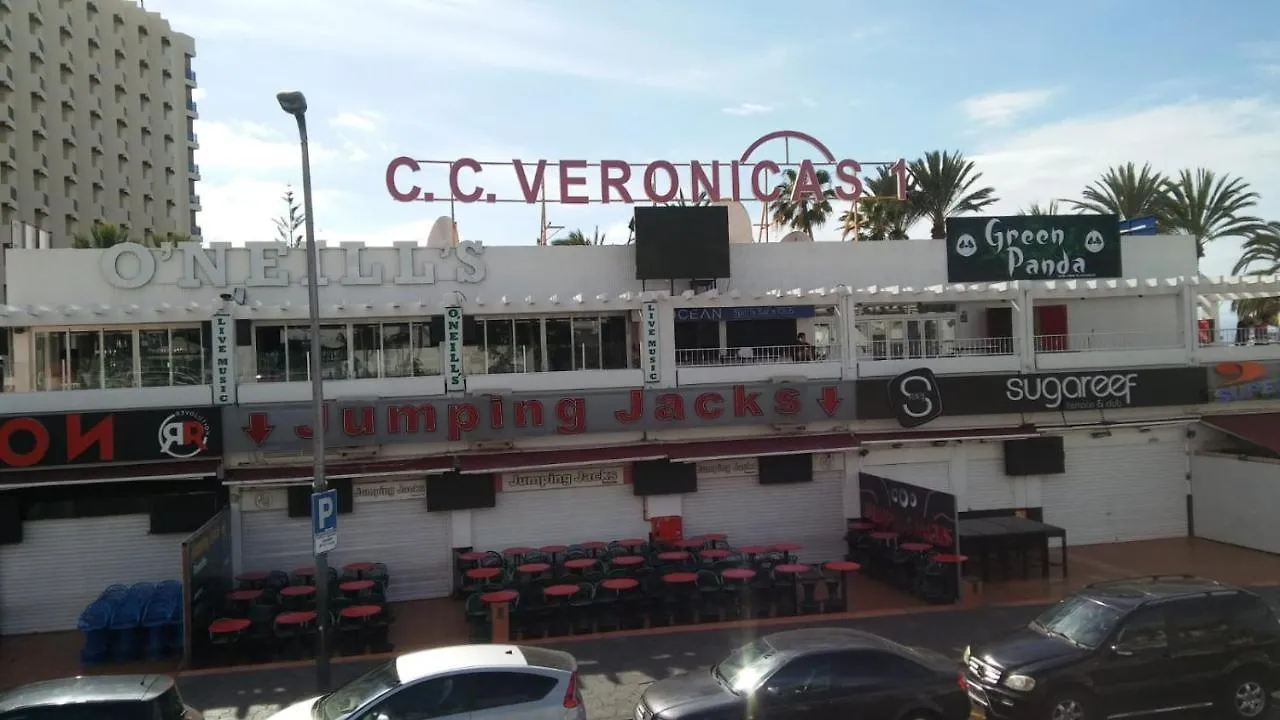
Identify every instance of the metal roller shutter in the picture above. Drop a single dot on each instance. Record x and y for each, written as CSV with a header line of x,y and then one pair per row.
x,y
413,543
62,565
987,487
559,517
811,514
1120,491
271,540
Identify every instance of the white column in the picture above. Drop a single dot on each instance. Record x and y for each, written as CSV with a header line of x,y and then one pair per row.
x,y
849,343
1187,321
1026,325
237,531
667,342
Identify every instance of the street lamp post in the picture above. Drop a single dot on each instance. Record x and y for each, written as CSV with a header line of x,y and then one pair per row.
x,y
295,103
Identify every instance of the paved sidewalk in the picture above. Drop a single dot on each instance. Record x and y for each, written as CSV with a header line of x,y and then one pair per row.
x,y
614,671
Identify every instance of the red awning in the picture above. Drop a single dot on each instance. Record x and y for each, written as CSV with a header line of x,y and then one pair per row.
x,y
545,459
292,474
755,447
1261,429
182,470
904,436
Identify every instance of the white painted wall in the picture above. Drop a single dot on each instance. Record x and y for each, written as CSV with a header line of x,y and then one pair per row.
x,y
1122,322
1234,500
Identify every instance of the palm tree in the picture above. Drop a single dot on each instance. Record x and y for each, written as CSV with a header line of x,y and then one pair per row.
x,y
1126,191
1050,208
151,239
104,235
879,214
946,186
577,237
805,213
1207,207
1260,255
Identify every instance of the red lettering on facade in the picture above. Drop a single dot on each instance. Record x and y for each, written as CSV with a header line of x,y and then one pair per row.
x,y
411,419
259,428
669,407
830,400
746,403
634,411
304,431
39,446
571,416
358,421
463,418
786,401
708,405
528,413
497,418
103,435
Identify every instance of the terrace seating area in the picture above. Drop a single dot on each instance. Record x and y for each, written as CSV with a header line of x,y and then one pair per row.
x,y
636,583
271,615
128,623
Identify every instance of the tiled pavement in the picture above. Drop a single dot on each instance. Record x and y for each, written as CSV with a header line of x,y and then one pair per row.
x,y
614,671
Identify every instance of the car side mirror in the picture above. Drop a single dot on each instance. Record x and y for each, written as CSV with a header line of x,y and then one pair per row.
x,y
1119,651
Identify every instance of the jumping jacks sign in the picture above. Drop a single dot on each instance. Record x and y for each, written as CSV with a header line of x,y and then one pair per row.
x,y
1033,247
919,395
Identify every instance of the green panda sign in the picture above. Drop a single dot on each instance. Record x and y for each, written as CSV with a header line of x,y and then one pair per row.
x,y
1033,247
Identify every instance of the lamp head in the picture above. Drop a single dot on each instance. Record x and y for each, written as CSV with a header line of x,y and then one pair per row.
x,y
294,103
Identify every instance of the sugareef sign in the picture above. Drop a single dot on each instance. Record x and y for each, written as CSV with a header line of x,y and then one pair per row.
x,y
659,181
562,479
1033,247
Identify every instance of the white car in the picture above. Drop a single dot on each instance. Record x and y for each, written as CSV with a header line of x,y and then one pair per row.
x,y
478,682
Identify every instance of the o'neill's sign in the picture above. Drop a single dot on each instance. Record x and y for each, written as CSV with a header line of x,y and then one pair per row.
x,y
620,181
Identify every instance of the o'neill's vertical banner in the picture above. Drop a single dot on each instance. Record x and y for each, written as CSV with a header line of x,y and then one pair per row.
x,y
224,375
650,349
455,379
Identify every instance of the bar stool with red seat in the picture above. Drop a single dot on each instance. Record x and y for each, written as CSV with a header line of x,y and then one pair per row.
x,y
626,561
481,576
788,576
295,597
952,566
294,630
225,635
789,549
531,571
352,623
838,590
712,555
738,582
240,600
353,589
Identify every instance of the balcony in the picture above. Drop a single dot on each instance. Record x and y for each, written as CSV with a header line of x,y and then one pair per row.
x,y
192,110
194,171
194,200
192,141
191,76
697,366
69,396
881,358
1110,349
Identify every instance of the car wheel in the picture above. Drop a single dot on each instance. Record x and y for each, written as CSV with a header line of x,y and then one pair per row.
x,y
1247,696
1068,706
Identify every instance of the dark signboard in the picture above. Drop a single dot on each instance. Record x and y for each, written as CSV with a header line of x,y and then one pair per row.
x,y
1243,381
84,438
1031,393
1032,247
737,314
286,427
910,510
206,578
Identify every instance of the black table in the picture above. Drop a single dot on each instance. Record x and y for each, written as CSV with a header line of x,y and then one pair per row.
x,y
981,536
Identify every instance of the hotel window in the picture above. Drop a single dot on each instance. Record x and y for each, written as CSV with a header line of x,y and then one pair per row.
x,y
174,356
284,352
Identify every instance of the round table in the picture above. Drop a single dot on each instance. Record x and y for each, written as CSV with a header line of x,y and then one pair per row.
x,y
713,554
355,586
950,558
244,595
840,586
298,591
788,547
883,535
690,543
737,573
842,566
358,567
360,612
553,549
580,563
560,591
715,537
226,626
791,568
620,584
514,551
473,555
673,556
862,526
300,617
533,568
305,572
252,577
680,578
483,573
593,545
630,543
627,561
753,549
915,546
499,596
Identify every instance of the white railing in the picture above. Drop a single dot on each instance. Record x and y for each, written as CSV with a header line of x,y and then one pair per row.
x,y
1085,342
912,349
757,355
1239,336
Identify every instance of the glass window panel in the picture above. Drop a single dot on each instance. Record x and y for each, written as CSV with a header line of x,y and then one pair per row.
x,y
334,364
613,342
153,357
83,359
298,353
473,356
559,344
50,350
187,353
117,359
586,343
366,355
426,347
269,342
499,346
397,351
528,356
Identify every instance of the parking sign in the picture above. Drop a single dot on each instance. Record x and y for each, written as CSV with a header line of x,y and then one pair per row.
x,y
324,521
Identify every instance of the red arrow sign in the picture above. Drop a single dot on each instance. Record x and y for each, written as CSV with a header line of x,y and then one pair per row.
x,y
258,428
830,400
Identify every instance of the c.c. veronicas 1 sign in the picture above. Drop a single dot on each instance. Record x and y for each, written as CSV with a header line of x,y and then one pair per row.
x,y
480,417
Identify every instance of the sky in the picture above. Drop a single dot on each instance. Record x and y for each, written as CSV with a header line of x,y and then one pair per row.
x,y
1043,97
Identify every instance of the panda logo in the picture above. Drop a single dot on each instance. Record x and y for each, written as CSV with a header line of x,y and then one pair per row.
x,y
1093,242
966,245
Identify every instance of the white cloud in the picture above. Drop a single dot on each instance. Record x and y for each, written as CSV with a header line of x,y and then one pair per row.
x,y
1002,108
363,120
251,148
198,94
808,102
747,109
241,209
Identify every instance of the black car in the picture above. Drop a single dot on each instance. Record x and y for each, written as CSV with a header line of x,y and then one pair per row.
x,y
100,697
1133,647
814,673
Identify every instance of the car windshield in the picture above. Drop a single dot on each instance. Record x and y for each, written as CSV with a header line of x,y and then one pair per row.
x,y
744,667
343,701
1084,621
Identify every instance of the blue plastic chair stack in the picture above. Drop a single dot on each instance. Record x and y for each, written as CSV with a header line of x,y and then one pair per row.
x,y
95,623
126,622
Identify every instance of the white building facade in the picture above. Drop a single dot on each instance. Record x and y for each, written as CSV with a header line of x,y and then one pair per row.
x,y
487,397
96,121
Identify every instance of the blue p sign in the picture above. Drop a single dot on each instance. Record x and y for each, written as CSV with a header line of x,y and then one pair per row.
x,y
324,520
